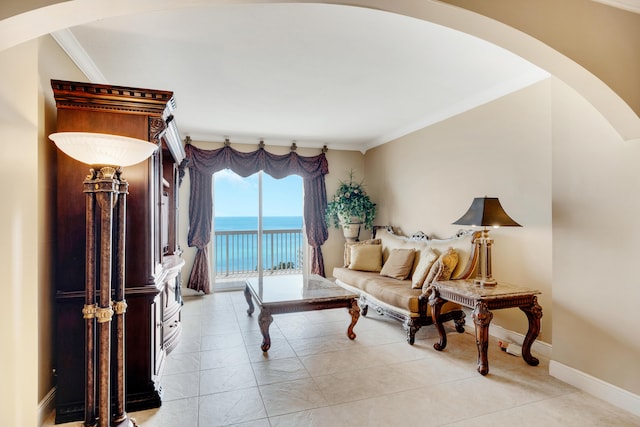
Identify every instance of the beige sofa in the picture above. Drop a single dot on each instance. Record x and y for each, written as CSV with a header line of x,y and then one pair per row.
x,y
388,273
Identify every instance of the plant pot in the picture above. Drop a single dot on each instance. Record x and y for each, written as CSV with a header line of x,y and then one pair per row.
x,y
351,229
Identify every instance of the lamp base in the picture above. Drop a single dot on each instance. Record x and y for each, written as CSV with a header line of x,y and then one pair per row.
x,y
126,422
488,282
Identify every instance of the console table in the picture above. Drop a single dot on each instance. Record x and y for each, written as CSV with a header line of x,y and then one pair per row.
x,y
482,300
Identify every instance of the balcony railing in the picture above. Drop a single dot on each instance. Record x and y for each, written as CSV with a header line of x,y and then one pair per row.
x,y
236,252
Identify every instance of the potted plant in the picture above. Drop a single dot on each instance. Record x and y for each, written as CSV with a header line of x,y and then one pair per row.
x,y
350,207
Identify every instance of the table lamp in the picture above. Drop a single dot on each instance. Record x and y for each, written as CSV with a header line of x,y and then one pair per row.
x,y
105,192
486,212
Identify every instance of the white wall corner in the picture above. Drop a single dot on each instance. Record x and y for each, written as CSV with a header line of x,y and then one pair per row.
x,y
46,406
608,392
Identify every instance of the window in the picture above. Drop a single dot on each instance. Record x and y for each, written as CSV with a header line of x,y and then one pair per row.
x,y
258,226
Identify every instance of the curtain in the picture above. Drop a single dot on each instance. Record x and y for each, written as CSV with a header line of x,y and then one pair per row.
x,y
203,164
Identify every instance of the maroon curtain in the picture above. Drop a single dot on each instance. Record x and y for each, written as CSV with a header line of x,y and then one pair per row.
x,y
204,163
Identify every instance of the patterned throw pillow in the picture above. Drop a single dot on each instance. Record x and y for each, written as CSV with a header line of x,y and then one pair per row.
x,y
399,263
366,257
443,268
427,258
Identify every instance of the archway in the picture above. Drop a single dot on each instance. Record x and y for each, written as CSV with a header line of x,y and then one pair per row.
x,y
63,14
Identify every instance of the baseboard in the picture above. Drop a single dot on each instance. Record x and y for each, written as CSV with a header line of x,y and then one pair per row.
x,y
608,392
46,406
542,348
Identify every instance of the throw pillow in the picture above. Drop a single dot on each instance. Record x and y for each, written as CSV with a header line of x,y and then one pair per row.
x,y
443,268
427,258
348,245
399,263
366,257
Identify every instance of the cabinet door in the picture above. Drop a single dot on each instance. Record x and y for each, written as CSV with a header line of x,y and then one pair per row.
x,y
158,323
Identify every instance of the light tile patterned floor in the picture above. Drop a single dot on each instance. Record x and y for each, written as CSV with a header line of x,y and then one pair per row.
x,y
315,376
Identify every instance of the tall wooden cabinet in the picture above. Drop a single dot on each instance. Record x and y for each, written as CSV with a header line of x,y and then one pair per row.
x,y
153,257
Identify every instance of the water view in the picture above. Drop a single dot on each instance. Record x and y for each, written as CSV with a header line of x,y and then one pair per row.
x,y
236,244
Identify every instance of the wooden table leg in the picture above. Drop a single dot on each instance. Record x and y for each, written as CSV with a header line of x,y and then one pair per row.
x,y
264,320
354,310
482,318
436,304
247,296
534,313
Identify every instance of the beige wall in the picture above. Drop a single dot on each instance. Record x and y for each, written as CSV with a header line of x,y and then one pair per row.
x,y
53,63
603,39
596,206
28,116
427,180
19,258
542,150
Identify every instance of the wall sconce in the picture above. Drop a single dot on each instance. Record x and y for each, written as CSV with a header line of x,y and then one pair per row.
x,y
105,192
486,212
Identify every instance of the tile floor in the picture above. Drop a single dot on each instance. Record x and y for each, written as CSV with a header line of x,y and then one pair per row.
x,y
315,376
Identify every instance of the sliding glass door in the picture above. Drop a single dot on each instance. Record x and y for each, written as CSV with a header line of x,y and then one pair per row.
x,y
258,227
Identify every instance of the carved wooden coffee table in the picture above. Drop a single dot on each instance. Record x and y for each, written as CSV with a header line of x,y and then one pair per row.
x,y
482,300
293,293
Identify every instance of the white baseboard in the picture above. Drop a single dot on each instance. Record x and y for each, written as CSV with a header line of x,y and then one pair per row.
x,y
608,392
46,406
542,348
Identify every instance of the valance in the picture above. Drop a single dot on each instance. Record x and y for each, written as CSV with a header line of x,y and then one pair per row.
x,y
203,164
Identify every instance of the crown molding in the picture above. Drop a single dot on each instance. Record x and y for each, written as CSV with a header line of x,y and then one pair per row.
x,y
70,44
628,5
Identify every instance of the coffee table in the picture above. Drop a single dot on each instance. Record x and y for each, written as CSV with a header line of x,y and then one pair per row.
x,y
482,300
293,293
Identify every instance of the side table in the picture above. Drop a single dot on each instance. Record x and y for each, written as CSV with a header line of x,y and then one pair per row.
x,y
482,300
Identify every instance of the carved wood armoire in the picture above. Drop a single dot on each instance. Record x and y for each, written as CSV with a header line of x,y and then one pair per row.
x,y
153,258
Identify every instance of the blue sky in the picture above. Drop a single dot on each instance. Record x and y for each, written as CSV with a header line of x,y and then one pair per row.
x,y
237,196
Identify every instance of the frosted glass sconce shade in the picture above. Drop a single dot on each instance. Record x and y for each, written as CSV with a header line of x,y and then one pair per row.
x,y
103,149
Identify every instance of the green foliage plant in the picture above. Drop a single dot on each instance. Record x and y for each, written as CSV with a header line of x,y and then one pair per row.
x,y
350,201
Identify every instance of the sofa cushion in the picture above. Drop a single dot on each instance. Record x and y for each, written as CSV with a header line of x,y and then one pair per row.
x,y
399,263
356,279
348,245
366,258
426,260
397,293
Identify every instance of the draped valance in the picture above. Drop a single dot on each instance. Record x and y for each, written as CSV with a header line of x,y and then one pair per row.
x,y
203,164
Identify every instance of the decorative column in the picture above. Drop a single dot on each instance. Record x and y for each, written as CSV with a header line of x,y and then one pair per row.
x,y
105,190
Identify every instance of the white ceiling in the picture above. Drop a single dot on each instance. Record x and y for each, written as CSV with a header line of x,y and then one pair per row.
x,y
316,74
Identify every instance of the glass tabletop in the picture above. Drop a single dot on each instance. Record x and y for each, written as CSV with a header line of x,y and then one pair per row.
x,y
295,287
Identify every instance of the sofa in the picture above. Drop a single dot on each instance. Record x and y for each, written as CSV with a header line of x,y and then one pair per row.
x,y
392,274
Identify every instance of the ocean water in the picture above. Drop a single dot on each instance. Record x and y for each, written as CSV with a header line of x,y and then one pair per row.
x,y
236,244
233,223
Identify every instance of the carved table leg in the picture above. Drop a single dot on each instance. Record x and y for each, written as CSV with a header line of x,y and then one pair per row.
x,y
247,295
411,327
436,304
264,320
534,313
482,318
354,310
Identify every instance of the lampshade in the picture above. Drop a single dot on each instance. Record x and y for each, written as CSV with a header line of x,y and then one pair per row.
x,y
103,149
486,212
